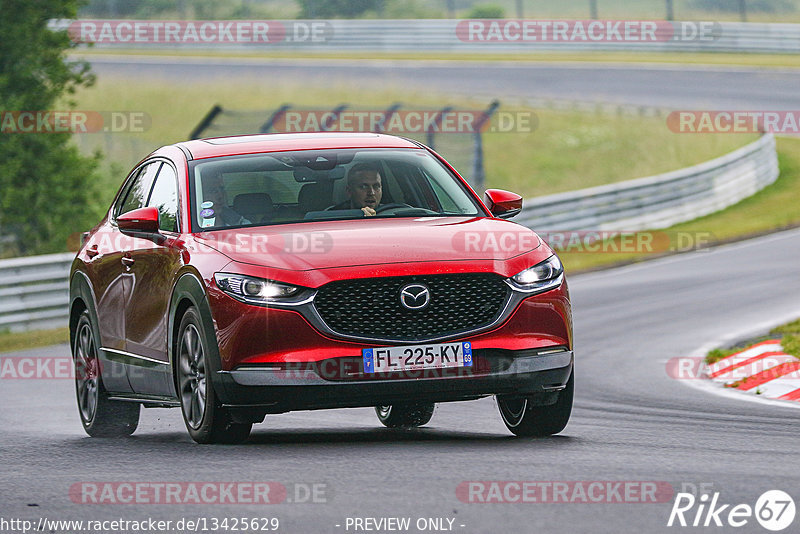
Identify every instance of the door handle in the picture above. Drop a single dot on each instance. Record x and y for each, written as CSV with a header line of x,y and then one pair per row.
x,y
128,262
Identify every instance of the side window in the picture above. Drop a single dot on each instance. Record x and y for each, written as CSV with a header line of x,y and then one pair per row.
x,y
165,198
136,195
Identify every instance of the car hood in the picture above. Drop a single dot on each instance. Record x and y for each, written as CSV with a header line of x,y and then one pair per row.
x,y
332,244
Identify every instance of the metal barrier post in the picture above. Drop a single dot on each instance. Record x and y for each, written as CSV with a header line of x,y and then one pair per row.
x,y
391,110
206,122
478,172
430,132
336,112
277,114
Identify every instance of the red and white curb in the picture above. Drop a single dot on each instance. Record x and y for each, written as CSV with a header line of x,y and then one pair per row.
x,y
762,369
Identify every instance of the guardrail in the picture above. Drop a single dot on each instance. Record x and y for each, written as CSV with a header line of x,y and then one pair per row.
x,y
34,290
662,200
446,35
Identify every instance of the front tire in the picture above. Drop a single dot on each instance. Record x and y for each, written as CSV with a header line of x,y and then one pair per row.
x,y
526,420
206,419
405,415
100,416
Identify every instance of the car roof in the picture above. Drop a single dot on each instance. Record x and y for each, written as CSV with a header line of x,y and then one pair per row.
x,y
252,144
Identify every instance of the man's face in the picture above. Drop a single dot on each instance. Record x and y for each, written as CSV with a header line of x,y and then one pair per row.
x,y
365,190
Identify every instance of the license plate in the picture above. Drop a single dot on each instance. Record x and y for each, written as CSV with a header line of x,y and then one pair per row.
x,y
412,358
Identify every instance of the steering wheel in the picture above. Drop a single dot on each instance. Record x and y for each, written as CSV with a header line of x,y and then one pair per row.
x,y
394,205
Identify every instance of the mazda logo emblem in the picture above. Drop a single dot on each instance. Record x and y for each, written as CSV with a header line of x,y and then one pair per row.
x,y
415,296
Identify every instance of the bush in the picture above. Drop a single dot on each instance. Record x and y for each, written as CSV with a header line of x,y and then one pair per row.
x,y
486,12
47,187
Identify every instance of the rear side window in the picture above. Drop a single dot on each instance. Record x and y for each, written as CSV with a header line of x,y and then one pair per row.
x,y
165,198
136,195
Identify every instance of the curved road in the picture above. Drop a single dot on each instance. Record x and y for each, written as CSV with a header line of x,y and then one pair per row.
x,y
631,421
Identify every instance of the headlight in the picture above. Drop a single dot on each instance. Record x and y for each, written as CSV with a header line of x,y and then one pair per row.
x,y
541,277
255,290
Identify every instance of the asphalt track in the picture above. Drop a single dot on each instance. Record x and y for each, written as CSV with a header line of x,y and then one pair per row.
x,y
659,85
631,421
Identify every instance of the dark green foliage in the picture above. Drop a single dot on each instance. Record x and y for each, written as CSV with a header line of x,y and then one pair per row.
x,y
486,11
46,185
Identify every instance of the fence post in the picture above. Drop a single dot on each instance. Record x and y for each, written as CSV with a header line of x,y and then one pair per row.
x,y
336,112
478,172
277,114
206,122
391,110
431,129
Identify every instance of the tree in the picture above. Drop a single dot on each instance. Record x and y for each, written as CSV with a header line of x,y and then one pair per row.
x,y
47,188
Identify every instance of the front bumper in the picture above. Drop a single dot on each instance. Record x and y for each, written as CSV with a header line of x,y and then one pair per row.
x,y
279,389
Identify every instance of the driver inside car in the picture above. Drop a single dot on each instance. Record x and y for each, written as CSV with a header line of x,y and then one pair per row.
x,y
363,189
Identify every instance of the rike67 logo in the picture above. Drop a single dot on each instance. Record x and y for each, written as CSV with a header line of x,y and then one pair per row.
x,y
774,510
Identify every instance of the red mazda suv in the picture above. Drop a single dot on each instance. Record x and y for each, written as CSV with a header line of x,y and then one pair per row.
x,y
237,277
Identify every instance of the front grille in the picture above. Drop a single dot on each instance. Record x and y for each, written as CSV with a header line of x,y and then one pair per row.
x,y
370,308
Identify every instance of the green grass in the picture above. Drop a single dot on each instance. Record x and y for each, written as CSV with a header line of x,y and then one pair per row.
x,y
28,340
788,333
717,354
788,328
548,56
772,208
568,150
791,344
574,150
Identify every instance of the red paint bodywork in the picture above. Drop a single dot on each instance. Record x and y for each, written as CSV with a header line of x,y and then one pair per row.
x,y
133,307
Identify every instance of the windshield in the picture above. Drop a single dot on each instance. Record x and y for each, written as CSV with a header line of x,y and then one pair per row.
x,y
285,187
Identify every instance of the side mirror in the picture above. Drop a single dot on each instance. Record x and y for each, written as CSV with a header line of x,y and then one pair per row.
x,y
503,204
141,220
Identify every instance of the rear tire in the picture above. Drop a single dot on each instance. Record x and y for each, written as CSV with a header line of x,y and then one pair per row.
x,y
405,415
100,416
206,419
526,420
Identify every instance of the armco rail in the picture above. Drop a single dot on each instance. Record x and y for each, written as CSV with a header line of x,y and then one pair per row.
x,y
421,35
659,201
34,294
